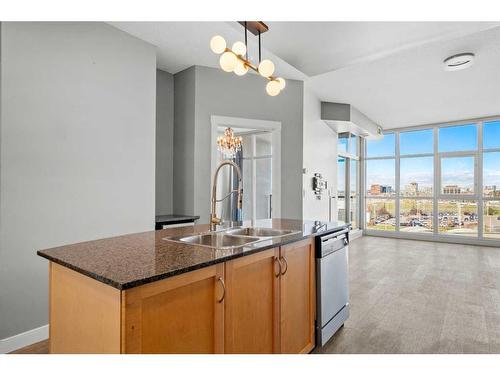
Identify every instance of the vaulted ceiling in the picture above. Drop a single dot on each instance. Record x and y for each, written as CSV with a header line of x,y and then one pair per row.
x,y
391,71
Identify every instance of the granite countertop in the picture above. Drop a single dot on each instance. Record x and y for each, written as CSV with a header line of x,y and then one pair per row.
x,y
131,260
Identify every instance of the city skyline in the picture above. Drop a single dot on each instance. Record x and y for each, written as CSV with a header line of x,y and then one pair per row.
x,y
455,170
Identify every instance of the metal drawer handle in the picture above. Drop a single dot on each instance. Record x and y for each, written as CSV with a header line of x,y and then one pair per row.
x,y
286,266
277,261
221,280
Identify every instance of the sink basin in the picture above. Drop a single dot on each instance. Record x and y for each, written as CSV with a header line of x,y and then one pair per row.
x,y
216,240
260,232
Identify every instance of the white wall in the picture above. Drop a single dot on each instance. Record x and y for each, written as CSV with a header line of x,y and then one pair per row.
x,y
320,156
77,148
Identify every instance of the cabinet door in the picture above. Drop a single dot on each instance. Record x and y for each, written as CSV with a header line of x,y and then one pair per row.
x,y
181,314
298,297
251,316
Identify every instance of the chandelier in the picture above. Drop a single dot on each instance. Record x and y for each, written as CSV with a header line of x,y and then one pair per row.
x,y
235,59
228,144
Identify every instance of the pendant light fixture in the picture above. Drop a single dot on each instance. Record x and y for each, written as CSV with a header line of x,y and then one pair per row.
x,y
235,59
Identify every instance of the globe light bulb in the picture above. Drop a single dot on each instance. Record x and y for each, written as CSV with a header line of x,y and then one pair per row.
x,y
228,61
282,82
218,44
239,48
241,69
273,88
266,68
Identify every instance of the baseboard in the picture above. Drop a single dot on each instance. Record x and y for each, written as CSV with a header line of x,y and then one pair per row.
x,y
355,234
21,340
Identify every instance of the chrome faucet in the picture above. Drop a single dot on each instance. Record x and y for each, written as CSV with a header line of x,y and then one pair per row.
x,y
214,220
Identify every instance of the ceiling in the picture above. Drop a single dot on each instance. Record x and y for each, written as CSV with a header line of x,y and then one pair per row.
x,y
184,44
412,88
391,71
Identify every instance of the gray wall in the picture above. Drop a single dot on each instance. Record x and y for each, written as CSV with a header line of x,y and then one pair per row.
x,y
164,141
219,93
184,158
77,148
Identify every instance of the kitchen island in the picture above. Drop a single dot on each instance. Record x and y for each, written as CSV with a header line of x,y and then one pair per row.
x,y
147,293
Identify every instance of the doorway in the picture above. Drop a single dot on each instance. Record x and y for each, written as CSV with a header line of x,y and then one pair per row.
x,y
348,179
260,164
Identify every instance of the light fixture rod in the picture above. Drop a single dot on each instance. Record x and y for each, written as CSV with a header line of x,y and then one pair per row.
x,y
249,64
246,41
259,48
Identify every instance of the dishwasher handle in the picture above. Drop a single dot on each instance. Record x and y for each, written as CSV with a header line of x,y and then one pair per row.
x,y
334,235
332,243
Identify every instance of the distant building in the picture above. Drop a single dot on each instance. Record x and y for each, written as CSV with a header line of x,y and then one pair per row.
x,y
377,189
411,189
452,189
491,191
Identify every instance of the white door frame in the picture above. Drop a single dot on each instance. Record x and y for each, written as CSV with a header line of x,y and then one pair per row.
x,y
265,125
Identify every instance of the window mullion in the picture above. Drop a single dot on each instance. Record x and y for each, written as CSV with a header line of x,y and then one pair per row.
x,y
397,182
479,180
437,184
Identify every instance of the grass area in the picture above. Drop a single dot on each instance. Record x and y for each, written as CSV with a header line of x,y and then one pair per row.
x,y
382,216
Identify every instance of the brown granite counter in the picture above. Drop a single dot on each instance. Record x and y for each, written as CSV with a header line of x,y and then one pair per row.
x,y
131,260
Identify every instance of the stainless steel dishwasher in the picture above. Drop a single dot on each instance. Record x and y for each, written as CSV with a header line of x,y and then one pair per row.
x,y
332,284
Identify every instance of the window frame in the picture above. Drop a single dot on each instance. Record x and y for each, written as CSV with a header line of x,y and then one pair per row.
x,y
347,189
252,159
437,196
475,181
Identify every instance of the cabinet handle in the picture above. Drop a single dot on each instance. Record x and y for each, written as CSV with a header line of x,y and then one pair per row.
x,y
221,280
277,261
286,266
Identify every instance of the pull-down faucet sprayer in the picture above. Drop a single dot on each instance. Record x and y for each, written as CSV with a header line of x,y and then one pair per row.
x,y
214,220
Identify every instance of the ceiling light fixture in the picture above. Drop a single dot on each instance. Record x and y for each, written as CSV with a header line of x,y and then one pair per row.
x,y
228,144
235,59
458,62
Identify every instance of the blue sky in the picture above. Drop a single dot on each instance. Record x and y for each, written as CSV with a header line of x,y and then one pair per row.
x,y
491,134
383,147
491,169
420,170
417,142
456,170
458,138
380,172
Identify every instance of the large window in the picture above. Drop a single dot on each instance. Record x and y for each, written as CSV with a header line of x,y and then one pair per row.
x,y
416,215
458,138
457,175
381,183
417,176
416,142
348,179
437,181
491,180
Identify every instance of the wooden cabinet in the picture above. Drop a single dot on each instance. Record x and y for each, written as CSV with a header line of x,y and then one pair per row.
x,y
270,302
258,303
84,314
251,320
182,314
297,297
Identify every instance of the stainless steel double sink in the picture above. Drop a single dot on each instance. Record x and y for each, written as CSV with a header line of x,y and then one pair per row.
x,y
232,237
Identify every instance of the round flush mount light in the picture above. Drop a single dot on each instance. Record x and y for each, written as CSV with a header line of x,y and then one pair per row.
x,y
459,62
